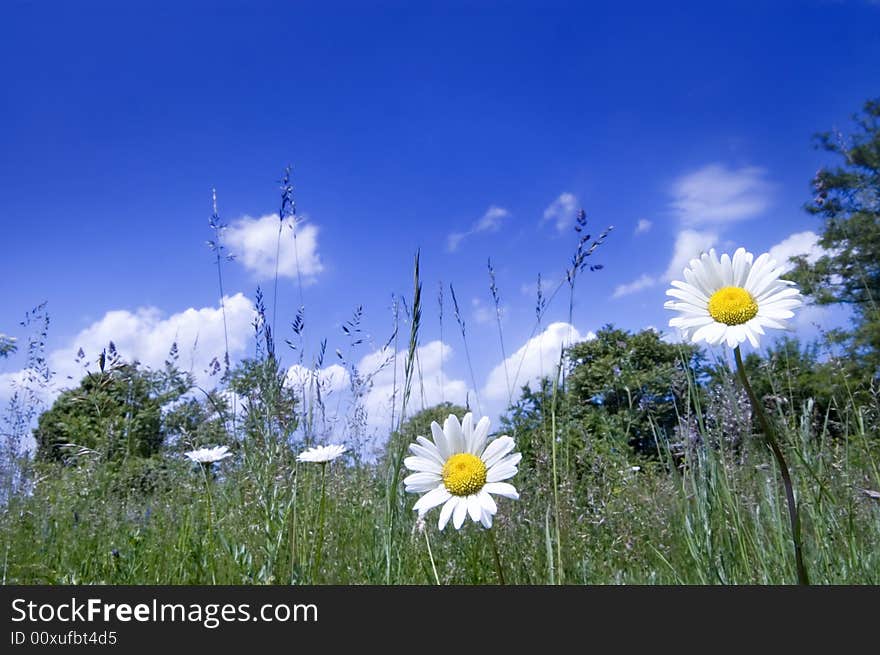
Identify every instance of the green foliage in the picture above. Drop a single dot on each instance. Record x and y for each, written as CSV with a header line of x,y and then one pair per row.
x,y
419,424
113,414
629,386
198,422
848,201
269,405
789,374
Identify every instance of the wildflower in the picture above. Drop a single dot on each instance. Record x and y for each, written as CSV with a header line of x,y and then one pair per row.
x,y
321,454
460,471
208,455
731,300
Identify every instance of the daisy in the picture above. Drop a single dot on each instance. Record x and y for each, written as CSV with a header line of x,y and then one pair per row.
x,y
321,454
731,300
459,471
208,455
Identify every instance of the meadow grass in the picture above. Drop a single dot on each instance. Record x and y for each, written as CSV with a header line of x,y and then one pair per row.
x,y
591,510
592,518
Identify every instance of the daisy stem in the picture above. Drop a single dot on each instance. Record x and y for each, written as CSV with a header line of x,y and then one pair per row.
x,y
770,439
206,472
293,522
319,542
431,557
498,568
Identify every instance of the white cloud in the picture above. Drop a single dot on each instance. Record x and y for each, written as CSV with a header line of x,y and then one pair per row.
x,y
482,313
643,282
254,242
332,379
688,244
561,211
715,195
533,360
490,221
547,286
799,243
430,383
643,226
146,335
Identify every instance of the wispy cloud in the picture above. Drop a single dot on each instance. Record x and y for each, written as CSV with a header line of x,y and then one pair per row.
x,y
254,242
703,202
536,358
490,221
482,313
561,212
644,282
799,243
688,244
644,225
716,194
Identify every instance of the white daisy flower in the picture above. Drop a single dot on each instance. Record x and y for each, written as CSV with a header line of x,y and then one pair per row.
x,y
731,300
321,454
208,455
459,471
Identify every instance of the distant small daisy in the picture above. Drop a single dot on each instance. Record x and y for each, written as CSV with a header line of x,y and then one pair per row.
x,y
731,300
459,471
208,455
321,454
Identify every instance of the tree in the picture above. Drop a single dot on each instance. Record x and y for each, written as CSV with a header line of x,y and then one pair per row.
x,y
116,413
848,200
627,386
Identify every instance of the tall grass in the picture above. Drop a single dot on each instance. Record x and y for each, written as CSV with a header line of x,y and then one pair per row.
x,y
710,511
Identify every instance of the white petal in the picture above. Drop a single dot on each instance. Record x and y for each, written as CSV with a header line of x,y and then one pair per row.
x,y
501,489
467,431
474,506
497,449
687,322
422,464
688,295
500,472
446,512
454,437
726,270
511,460
735,335
742,261
707,332
459,513
750,335
423,481
481,433
427,449
487,502
486,519
690,289
437,496
441,441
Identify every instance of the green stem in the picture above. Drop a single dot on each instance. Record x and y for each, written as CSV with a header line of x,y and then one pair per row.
x,y
293,523
319,542
559,569
498,568
770,439
205,471
431,557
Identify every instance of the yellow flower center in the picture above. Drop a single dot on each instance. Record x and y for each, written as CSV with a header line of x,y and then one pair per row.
x,y
464,474
732,306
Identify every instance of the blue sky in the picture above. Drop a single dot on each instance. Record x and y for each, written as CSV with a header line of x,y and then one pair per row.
x,y
405,123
